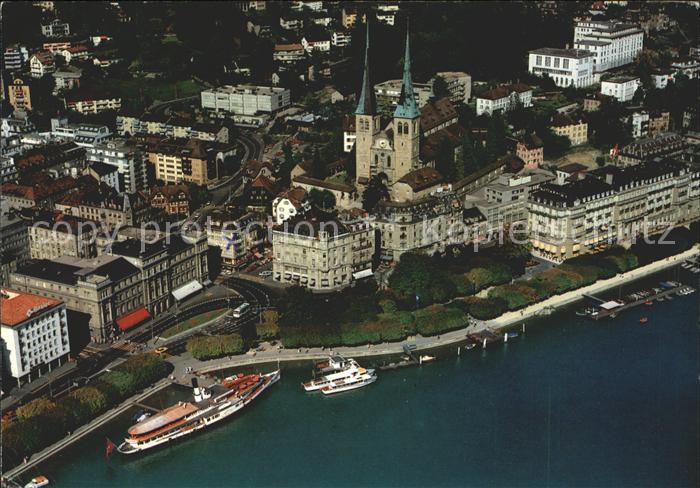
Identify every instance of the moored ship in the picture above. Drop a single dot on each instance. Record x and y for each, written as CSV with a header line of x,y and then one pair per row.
x,y
210,405
340,374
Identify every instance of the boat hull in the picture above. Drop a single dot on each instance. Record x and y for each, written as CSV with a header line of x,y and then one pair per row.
x,y
352,386
213,416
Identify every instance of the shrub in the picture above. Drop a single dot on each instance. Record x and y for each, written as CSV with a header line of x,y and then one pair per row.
x,y
486,308
437,319
515,296
210,347
268,328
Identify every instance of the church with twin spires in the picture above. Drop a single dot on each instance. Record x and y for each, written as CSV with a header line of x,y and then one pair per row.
x,y
393,149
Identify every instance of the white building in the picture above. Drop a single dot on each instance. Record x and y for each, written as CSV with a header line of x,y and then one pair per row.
x,y
288,53
316,5
41,64
289,204
620,87
321,45
687,67
566,67
34,334
341,39
245,99
612,43
387,13
640,124
91,104
661,78
129,160
459,84
504,98
389,92
84,135
66,78
14,57
55,28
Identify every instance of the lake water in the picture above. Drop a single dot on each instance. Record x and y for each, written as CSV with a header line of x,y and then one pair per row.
x,y
571,402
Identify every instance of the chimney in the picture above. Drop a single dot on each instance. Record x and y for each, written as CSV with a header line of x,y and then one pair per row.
x,y
197,390
567,45
609,178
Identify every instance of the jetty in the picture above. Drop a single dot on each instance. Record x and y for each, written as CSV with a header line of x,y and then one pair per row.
x,y
613,308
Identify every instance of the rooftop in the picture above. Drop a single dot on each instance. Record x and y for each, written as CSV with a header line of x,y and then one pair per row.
x,y
422,178
17,306
563,53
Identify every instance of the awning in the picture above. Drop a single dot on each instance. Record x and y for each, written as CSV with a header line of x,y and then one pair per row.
x,y
134,318
365,273
186,290
610,305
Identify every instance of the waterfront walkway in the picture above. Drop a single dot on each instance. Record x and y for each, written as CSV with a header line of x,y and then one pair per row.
x,y
455,337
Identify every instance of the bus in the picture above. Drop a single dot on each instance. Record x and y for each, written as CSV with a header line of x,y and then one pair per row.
x,y
241,309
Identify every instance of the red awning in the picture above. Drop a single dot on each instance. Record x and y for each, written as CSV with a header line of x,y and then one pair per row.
x,y
134,318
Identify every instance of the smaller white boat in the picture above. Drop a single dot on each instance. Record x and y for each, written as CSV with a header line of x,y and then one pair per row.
x,y
363,377
37,482
426,359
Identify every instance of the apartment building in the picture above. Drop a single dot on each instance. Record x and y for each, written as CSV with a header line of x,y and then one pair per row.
x,y
612,43
19,95
14,57
169,126
288,53
245,99
54,234
66,78
106,288
621,88
87,103
127,157
566,67
661,146
41,63
459,84
504,98
191,160
237,232
322,255
55,28
114,210
530,149
572,126
172,199
341,39
35,337
611,205
14,245
290,203
388,92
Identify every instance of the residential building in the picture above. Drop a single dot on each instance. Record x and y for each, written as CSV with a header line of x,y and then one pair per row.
x,y
35,337
75,53
314,5
288,53
19,96
55,28
572,126
89,103
106,288
658,123
612,43
129,124
417,184
504,98
129,160
611,205
41,63
41,194
661,146
386,13
113,210
104,173
346,196
341,39
14,245
592,103
319,45
459,84
245,99
237,232
639,123
83,135
289,204
54,234
566,67
688,67
56,46
291,22
14,57
349,135
661,78
67,78
622,88
530,149
172,199
187,160
388,93
349,17
322,255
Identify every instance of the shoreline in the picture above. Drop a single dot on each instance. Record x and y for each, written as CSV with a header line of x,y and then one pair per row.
x,y
422,344
505,321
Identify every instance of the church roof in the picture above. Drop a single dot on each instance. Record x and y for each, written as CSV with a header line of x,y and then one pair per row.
x,y
366,105
407,108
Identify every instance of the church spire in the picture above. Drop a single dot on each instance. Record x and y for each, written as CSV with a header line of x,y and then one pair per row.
x,y
366,105
407,107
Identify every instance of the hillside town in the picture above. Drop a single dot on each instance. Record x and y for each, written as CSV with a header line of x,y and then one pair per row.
x,y
322,174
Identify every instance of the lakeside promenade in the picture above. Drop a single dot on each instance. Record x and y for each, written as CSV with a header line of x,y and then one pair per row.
x,y
454,337
305,354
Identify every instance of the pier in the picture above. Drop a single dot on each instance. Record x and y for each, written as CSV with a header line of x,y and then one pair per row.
x,y
612,312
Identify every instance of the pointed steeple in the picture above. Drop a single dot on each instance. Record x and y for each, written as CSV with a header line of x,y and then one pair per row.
x,y
407,108
366,104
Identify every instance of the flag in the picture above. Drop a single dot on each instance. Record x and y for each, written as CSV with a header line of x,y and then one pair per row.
x,y
109,447
613,152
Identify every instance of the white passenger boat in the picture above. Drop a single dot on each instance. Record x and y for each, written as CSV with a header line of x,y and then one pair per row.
x,y
339,372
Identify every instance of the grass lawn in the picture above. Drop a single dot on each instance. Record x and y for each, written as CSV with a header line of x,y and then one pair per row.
x,y
154,89
193,322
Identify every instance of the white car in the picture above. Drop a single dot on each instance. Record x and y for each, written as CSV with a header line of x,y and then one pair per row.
x,y
265,273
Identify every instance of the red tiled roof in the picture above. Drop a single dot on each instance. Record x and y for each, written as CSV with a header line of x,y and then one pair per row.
x,y
132,319
288,47
17,306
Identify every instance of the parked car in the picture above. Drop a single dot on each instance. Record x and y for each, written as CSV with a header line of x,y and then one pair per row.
x,y
266,273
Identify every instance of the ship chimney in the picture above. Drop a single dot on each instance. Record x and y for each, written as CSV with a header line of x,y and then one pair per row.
x,y
197,390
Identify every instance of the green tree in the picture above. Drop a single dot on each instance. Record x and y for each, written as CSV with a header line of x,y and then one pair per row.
x,y
445,160
495,138
318,168
440,89
211,347
375,192
322,199
40,406
268,327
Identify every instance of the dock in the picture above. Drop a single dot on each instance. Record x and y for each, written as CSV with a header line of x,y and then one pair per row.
x,y
485,337
146,407
612,312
